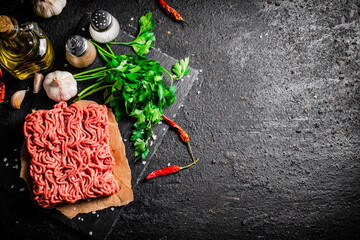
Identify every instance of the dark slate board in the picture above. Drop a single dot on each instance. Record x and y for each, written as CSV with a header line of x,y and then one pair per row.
x,y
93,225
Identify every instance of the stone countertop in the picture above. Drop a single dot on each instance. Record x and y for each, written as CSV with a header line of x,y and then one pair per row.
x,y
274,119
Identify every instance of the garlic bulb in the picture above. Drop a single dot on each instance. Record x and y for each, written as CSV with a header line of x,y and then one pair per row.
x,y
48,8
17,98
60,86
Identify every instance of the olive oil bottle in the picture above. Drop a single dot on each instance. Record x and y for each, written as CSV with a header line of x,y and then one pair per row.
x,y
24,49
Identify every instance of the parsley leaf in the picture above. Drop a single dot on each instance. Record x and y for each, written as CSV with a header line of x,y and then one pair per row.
x,y
181,68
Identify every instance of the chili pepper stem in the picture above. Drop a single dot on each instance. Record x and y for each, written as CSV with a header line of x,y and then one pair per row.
x,y
191,153
181,19
193,163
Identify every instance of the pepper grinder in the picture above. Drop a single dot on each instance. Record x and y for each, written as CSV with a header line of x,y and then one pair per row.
x,y
103,27
80,52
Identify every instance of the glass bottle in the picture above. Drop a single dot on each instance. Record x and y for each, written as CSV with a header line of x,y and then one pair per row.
x,y
24,49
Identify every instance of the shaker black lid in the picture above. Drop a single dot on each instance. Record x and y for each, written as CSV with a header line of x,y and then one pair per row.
x,y
76,45
100,20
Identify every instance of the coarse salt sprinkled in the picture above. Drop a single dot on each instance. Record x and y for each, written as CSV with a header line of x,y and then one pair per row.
x,y
169,164
5,159
12,186
90,233
143,162
198,92
6,165
15,150
22,189
151,143
16,166
154,137
112,209
132,19
93,212
125,140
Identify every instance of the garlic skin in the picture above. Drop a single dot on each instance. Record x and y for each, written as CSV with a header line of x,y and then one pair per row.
x,y
17,98
38,80
60,86
48,8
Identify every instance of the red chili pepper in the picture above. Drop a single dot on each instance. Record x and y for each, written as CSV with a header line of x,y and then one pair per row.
x,y
2,88
183,135
168,170
171,12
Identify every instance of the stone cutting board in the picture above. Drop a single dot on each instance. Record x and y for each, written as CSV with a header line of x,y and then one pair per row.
x,y
95,225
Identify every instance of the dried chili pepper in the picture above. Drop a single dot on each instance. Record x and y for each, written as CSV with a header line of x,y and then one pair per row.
x,y
2,88
168,170
183,135
171,12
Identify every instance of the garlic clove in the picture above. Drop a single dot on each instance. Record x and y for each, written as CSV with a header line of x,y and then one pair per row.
x,y
48,8
38,80
60,86
17,98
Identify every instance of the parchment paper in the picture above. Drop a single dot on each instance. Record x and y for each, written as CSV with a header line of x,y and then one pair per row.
x,y
121,171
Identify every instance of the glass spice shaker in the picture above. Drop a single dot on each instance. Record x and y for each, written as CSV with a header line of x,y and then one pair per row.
x,y
24,49
103,27
80,52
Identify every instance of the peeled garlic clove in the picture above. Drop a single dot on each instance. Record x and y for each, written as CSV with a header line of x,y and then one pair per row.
x,y
17,98
38,80
60,86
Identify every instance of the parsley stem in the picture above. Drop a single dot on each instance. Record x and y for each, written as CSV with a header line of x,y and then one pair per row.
x,y
90,87
121,43
108,47
102,50
90,76
171,77
89,71
92,91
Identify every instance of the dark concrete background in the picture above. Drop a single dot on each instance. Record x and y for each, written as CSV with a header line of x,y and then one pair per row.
x,y
274,120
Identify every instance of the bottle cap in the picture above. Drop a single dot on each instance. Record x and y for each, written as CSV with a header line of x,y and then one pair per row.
x,y
6,25
76,45
100,20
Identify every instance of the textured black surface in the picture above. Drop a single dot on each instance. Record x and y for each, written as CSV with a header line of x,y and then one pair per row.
x,y
274,120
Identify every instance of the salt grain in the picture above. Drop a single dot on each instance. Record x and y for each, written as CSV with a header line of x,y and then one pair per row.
x,y
74,209
65,65
198,92
93,212
182,105
16,166
6,165
16,159
90,233
169,164
112,209
83,29
164,129
182,80
200,70
154,137
97,215
143,162
125,140
12,186
174,115
22,189
151,143
5,159
15,150
132,19
160,123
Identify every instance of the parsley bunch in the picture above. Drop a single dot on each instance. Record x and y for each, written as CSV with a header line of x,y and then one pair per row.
x,y
133,86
